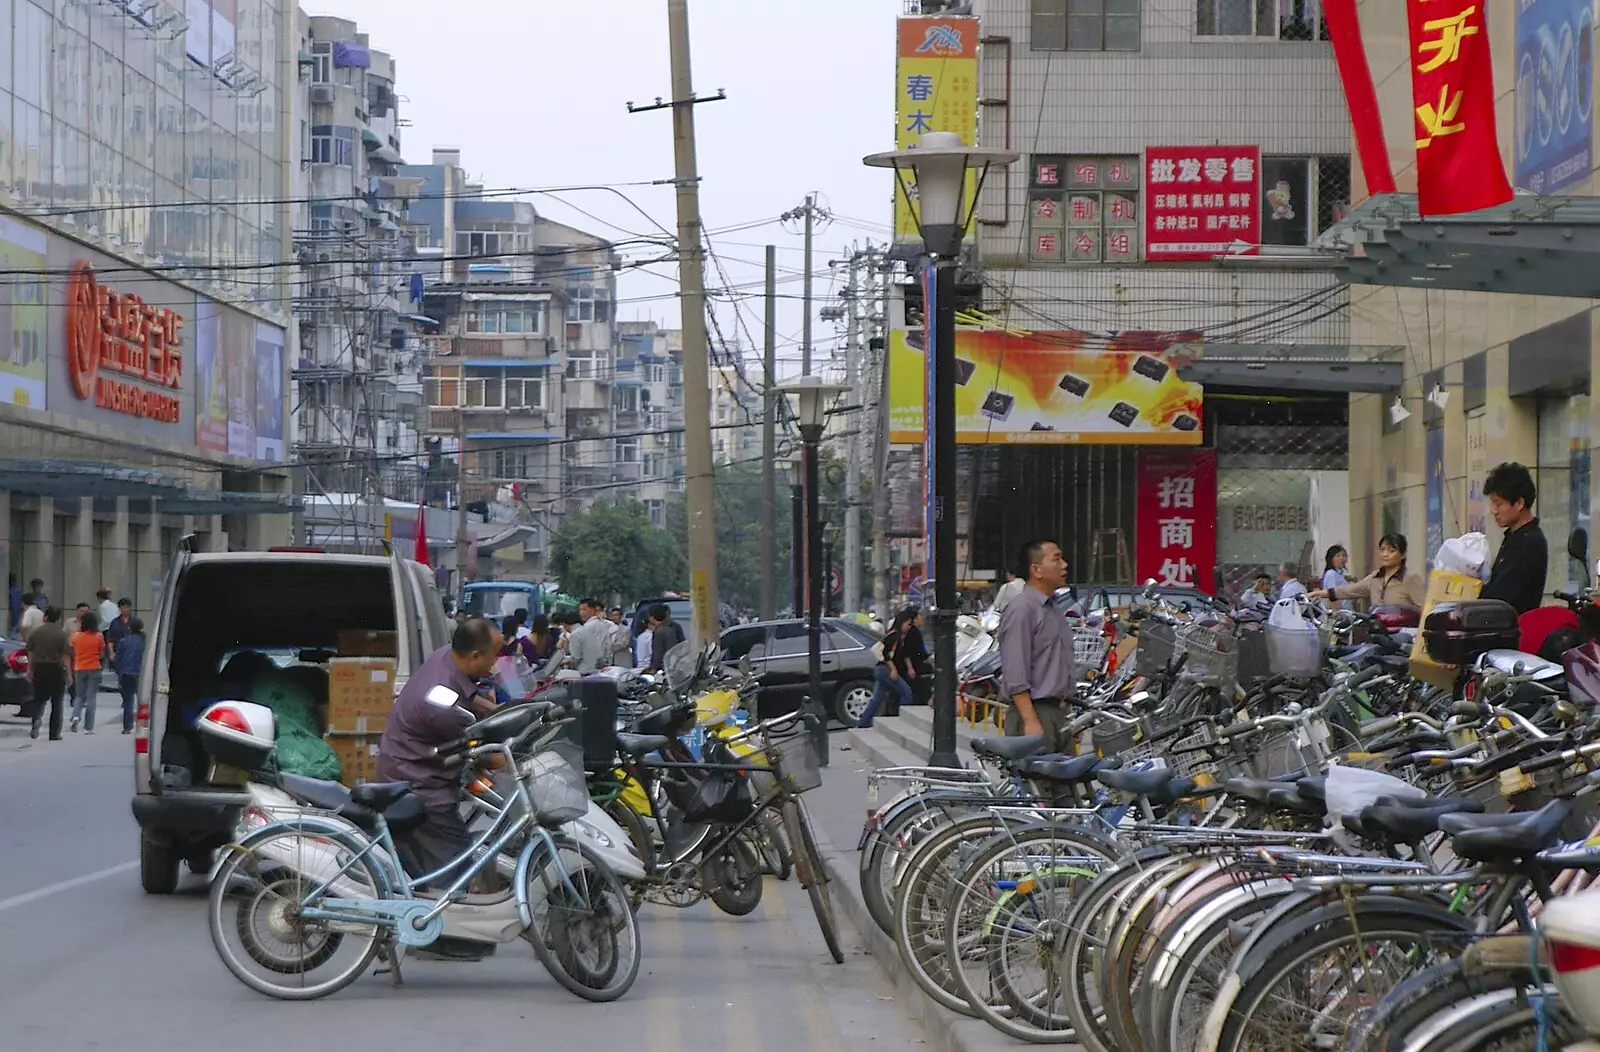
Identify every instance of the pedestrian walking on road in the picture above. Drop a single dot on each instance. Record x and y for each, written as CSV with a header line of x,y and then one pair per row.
x,y
88,657
1036,661
107,610
49,658
665,633
916,665
117,628
36,586
128,661
886,678
32,615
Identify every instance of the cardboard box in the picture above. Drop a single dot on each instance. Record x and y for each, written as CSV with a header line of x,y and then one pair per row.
x,y
1443,587
364,643
358,757
360,694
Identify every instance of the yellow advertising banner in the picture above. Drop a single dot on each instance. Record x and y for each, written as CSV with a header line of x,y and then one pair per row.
x,y
936,89
1050,388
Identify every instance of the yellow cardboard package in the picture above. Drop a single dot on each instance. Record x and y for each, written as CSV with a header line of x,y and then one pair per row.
x,y
1444,586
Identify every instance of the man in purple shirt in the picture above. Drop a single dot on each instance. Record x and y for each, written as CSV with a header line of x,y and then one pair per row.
x,y
440,701
1037,667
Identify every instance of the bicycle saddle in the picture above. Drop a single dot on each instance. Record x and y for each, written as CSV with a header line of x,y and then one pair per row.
x,y
641,744
379,795
1062,769
1012,749
1504,838
1140,783
1288,798
508,722
1255,790
1313,788
1408,821
317,792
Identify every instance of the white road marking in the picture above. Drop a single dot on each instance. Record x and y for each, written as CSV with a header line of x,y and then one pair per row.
x,y
66,885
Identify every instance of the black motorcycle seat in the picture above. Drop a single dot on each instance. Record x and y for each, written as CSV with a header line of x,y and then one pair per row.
x,y
378,796
1313,788
1139,783
667,720
1289,799
641,744
1061,769
1408,821
1012,749
1504,838
1256,790
317,792
1394,662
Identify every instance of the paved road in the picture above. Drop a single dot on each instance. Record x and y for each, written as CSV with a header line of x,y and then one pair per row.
x,y
90,962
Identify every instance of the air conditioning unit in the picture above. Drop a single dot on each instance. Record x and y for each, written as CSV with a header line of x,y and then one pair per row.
x,y
322,94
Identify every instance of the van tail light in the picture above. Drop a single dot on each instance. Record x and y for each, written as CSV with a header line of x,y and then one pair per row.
x,y
141,730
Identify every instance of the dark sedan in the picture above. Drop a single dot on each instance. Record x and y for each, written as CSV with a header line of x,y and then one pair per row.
x,y
779,654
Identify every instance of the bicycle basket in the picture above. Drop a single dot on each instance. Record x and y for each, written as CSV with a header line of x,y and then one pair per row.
x,y
559,790
1088,650
1157,645
1213,654
795,761
1254,664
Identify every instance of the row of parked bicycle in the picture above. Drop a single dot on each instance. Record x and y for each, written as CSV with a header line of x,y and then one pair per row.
x,y
1347,859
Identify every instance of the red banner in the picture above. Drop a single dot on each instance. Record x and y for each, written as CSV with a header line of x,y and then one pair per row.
x,y
1350,54
1176,517
1201,202
1459,168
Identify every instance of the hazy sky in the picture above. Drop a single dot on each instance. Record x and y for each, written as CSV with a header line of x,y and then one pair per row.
x,y
535,93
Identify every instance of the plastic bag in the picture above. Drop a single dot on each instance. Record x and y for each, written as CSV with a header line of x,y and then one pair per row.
x,y
1286,616
1465,554
1350,790
300,749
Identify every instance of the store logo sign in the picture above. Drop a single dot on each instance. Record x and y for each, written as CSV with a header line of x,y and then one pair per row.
x,y
115,337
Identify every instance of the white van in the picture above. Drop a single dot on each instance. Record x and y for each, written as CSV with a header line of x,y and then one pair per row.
x,y
288,605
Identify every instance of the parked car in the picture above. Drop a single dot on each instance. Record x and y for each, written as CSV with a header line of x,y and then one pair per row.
x,y
779,653
14,686
1119,597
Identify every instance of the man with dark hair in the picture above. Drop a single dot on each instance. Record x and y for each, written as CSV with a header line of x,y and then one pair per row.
x,y
438,703
1039,673
32,616
665,634
1524,556
590,643
49,658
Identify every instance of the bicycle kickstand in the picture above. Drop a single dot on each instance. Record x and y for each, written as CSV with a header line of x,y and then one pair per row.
x,y
391,955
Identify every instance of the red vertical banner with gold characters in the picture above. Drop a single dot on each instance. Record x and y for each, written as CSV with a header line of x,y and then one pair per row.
x,y
1459,168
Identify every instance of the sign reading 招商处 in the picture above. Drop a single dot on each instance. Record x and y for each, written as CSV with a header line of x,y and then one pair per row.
x,y
122,352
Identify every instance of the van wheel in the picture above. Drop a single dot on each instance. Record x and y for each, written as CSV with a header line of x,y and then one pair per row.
x,y
158,866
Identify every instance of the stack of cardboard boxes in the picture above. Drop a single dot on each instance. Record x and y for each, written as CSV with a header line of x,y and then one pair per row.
x,y
361,689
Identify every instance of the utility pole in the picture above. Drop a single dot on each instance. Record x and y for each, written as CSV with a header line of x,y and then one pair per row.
x,y
463,535
769,449
805,289
851,600
880,451
692,301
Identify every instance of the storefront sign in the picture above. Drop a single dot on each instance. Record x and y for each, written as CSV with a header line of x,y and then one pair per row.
x,y
1452,92
108,332
1202,201
936,89
1270,518
1555,94
1176,517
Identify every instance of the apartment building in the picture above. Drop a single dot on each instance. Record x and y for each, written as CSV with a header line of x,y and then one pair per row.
x,y
358,371
1493,310
735,406
649,401
1177,157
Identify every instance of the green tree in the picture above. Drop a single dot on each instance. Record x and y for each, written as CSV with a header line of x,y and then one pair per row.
x,y
612,551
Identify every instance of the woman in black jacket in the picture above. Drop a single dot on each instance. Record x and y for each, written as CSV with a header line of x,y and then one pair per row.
x,y
916,665
886,678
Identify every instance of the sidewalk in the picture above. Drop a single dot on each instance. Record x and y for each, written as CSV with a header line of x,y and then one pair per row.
x,y
837,811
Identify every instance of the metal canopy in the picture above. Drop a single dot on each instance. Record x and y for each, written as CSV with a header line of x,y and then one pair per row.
x,y
75,479
1546,246
1293,368
230,502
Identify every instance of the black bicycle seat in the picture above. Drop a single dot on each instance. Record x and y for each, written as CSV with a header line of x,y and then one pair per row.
x,y
1060,768
1139,783
1011,748
1173,791
317,792
641,744
508,722
1313,788
1408,821
379,795
1288,798
1504,838
1256,790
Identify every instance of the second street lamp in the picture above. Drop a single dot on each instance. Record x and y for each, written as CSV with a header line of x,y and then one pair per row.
x,y
939,166
810,396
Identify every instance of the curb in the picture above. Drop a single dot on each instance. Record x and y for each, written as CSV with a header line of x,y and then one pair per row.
x,y
945,1031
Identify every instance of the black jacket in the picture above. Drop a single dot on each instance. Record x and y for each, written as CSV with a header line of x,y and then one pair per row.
x,y
1519,568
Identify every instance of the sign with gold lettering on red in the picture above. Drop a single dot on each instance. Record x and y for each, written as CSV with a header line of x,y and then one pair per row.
x,y
1459,168
114,338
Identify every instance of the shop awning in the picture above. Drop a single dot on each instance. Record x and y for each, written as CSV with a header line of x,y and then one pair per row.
x,y
388,155
226,502
370,138
1293,366
72,479
1548,246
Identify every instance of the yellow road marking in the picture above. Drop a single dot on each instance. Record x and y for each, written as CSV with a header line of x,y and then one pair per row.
x,y
806,938
665,1011
740,1027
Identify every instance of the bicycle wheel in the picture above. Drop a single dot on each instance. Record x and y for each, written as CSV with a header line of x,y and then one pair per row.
x,y
919,906
583,931
1004,926
1123,966
776,858
1320,972
813,875
255,913
884,853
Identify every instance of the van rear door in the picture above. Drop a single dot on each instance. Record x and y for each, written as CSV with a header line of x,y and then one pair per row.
x,y
154,687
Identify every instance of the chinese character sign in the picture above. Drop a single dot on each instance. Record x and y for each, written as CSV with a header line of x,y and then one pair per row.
x,y
1555,94
1452,92
936,89
1202,201
1176,518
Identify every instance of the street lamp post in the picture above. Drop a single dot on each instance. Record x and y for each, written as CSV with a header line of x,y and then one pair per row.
x,y
939,164
810,396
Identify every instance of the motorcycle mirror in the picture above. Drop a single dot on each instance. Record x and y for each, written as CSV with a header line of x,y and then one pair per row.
x,y
744,663
1578,545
